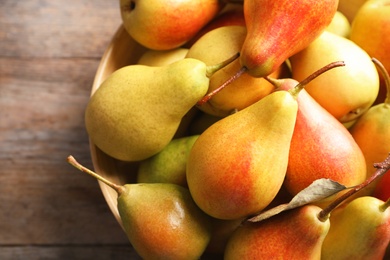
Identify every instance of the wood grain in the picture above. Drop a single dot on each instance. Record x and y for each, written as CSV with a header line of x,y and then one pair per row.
x,y
49,53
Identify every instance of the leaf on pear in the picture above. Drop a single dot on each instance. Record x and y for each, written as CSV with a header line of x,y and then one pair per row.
x,y
318,190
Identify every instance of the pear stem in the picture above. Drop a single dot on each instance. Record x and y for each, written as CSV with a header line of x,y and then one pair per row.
x,y
215,91
118,188
210,70
382,168
385,205
294,91
386,77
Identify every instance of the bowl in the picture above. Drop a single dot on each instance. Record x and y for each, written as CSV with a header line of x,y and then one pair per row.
x,y
121,51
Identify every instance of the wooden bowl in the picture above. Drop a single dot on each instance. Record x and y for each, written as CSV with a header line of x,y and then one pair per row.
x,y
122,51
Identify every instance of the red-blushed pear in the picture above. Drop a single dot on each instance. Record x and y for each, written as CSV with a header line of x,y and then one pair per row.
x,y
300,232
279,29
237,166
295,235
218,44
358,230
160,220
381,190
346,93
372,131
162,25
321,147
370,30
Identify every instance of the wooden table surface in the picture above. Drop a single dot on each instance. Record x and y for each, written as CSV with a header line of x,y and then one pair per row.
x,y
49,53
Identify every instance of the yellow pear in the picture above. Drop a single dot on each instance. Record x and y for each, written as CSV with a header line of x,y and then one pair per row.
x,y
237,166
359,230
350,7
347,92
339,25
137,110
161,58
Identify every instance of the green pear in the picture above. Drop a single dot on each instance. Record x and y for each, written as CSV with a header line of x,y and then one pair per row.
x,y
136,111
358,230
162,25
169,165
160,219
237,165
294,234
346,93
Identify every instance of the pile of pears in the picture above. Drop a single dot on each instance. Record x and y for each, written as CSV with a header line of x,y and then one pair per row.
x,y
263,100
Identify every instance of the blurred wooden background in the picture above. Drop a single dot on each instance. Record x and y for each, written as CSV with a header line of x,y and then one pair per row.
x,y
49,53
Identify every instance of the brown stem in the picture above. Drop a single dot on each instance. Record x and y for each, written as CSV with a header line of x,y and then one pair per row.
x,y
294,91
382,168
215,91
386,77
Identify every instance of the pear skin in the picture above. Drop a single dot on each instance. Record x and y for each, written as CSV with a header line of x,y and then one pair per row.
x,y
294,234
381,189
162,58
371,132
347,92
160,219
136,111
169,165
216,45
279,29
159,25
237,165
359,230
321,147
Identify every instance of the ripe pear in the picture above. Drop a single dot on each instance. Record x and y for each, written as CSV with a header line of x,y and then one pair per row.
x,y
372,130
162,58
160,219
370,30
339,25
359,230
159,25
136,111
169,165
350,7
279,29
294,234
381,189
245,90
237,165
346,92
321,147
